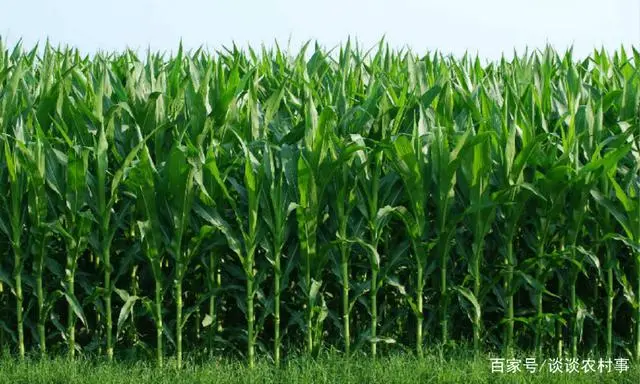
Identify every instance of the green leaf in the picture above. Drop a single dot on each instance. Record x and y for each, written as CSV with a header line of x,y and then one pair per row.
x,y
469,296
75,306
126,311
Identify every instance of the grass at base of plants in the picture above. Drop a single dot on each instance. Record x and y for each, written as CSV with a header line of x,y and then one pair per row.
x,y
329,368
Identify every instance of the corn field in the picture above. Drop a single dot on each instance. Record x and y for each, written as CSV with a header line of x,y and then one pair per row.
x,y
257,203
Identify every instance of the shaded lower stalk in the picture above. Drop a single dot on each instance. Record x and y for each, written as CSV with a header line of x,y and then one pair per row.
x,y
508,343
218,285
39,267
610,296
419,314
596,296
344,267
19,303
444,325
107,301
2,349
198,320
476,292
559,327
71,316
309,309
637,310
573,304
538,332
178,293
250,321
159,325
16,231
374,312
276,313
132,319
574,316
538,296
213,266
419,292
560,336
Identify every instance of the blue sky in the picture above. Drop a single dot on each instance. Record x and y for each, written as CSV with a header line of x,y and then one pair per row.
x,y
487,27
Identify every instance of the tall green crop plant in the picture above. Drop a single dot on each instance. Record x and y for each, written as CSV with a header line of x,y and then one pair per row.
x,y
250,236
70,181
178,177
107,190
602,191
368,184
142,180
38,207
554,185
16,213
410,161
209,208
576,306
580,124
511,198
12,126
584,180
242,238
213,258
480,215
104,207
74,225
277,207
375,184
277,180
606,226
344,202
541,124
214,284
141,157
313,172
626,211
515,149
579,195
444,164
351,155
149,233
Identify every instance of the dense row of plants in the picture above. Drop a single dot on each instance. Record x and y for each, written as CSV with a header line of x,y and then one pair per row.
x,y
240,201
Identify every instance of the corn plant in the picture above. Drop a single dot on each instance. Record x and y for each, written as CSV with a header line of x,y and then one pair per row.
x,y
410,164
35,161
16,212
142,182
243,237
278,206
313,170
74,227
326,199
480,216
12,127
